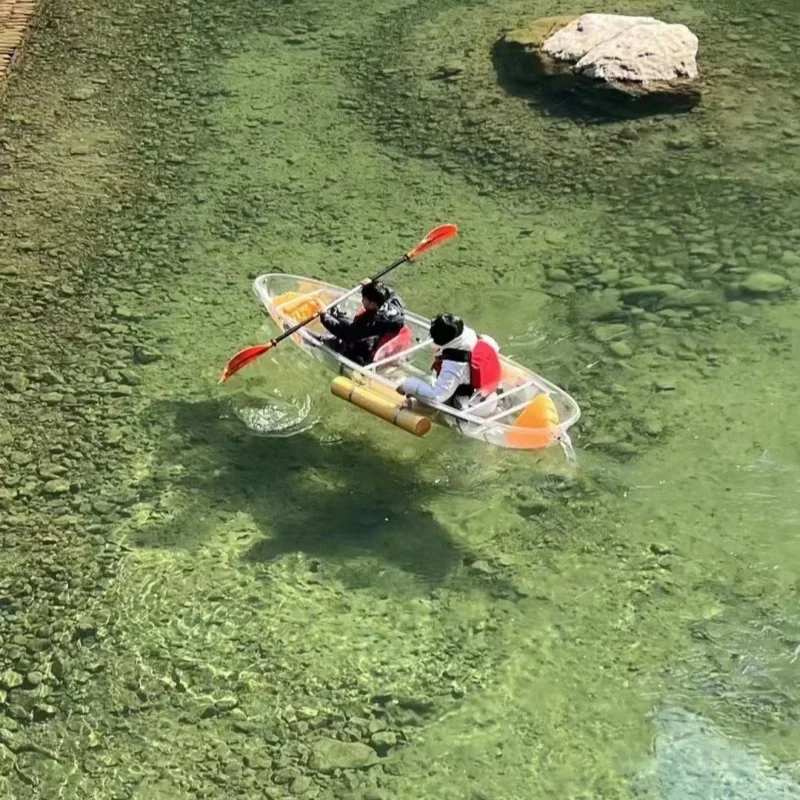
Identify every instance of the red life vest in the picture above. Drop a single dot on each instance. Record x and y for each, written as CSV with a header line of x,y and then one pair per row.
x,y
485,369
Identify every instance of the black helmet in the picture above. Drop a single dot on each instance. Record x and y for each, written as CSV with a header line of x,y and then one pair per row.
x,y
445,328
375,292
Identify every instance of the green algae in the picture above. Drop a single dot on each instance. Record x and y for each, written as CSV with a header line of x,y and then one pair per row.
x,y
196,611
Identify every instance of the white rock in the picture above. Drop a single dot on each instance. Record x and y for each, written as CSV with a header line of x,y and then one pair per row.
x,y
631,49
644,53
575,40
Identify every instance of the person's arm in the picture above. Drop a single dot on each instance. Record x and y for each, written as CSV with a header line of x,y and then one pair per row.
x,y
338,325
450,378
365,326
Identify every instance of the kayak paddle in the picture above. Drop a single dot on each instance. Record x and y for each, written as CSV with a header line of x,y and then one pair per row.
x,y
437,236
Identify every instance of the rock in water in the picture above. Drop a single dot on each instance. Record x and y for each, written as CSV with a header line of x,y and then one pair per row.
x,y
580,36
328,755
762,283
616,48
608,60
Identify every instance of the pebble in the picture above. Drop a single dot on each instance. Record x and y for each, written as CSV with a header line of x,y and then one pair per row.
x,y
621,349
481,568
300,785
127,314
256,762
286,775
328,755
652,426
661,549
49,470
130,377
38,645
610,331
383,740
18,383
649,292
10,679
560,289
82,93
17,712
44,711
33,678
114,436
689,298
145,354
558,275
56,486
764,283
790,258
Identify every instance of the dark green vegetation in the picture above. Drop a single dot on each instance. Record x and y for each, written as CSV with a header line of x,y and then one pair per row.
x,y
187,610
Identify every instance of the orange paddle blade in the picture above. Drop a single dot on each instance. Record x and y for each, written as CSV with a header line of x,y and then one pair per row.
x,y
243,358
437,236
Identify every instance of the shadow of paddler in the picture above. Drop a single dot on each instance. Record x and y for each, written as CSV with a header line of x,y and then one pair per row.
x,y
335,501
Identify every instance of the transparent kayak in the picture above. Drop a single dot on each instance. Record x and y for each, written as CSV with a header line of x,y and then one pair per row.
x,y
526,413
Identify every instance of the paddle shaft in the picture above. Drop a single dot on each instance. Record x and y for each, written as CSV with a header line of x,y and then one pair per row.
x,y
286,334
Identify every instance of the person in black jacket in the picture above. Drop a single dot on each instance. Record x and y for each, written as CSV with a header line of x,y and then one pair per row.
x,y
358,338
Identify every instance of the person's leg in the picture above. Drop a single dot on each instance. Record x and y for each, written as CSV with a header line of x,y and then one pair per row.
x,y
360,352
488,405
330,341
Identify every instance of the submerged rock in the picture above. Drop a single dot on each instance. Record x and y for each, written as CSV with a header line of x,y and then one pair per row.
x,y
145,354
764,283
607,59
18,383
56,486
328,755
598,306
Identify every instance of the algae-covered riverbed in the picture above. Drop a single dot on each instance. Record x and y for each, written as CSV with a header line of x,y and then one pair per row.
x,y
190,609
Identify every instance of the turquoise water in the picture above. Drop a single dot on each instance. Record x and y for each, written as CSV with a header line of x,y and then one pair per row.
x,y
190,608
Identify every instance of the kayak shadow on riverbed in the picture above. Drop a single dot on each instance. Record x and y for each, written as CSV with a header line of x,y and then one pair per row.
x,y
341,501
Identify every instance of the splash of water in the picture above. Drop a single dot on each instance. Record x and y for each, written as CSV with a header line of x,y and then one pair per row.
x,y
273,417
569,451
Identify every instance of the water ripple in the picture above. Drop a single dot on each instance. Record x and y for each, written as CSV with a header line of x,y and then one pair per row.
x,y
274,417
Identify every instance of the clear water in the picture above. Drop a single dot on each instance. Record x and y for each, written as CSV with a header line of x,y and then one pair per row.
x,y
189,606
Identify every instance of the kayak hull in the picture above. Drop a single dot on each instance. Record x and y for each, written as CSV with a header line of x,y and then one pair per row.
x,y
530,413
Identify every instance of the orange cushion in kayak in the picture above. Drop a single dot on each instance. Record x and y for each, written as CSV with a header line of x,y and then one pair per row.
x,y
536,426
299,309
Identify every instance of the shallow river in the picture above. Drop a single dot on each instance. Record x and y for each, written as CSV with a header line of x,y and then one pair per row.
x,y
191,608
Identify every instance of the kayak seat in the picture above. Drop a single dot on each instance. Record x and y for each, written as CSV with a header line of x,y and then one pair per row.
x,y
393,344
